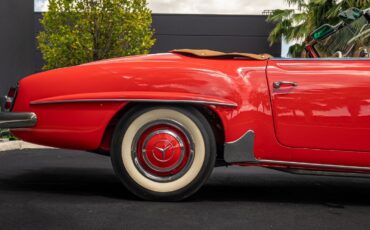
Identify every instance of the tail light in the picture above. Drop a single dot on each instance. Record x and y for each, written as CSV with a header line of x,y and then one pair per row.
x,y
9,99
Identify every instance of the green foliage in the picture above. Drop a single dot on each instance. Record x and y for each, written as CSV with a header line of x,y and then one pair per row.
x,y
297,24
5,134
80,31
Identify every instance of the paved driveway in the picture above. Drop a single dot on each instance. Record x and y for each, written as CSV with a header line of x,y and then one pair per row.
x,y
60,189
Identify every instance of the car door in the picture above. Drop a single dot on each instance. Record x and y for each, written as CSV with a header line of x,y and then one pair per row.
x,y
321,103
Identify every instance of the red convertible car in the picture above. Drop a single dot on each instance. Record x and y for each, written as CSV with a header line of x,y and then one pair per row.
x,y
166,120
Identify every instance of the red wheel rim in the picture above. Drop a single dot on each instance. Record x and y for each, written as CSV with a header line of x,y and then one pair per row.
x,y
163,152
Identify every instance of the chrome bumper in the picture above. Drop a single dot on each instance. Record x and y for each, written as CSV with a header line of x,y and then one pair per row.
x,y
9,120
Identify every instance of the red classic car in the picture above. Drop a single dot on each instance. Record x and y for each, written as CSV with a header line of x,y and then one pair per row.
x,y
166,120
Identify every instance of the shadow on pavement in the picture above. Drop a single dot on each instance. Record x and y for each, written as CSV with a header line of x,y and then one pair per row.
x,y
235,185
68,181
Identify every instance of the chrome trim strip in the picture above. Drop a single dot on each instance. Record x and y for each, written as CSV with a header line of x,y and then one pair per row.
x,y
17,120
314,165
250,159
320,59
324,173
242,151
134,100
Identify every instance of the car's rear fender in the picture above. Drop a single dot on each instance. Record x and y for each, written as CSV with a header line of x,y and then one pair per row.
x,y
85,121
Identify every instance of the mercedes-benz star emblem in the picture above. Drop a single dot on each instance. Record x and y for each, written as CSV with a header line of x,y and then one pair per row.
x,y
165,149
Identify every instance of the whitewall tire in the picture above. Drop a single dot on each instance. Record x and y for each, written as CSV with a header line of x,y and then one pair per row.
x,y
163,152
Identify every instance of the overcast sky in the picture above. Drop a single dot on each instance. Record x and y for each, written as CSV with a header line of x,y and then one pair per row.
x,y
203,6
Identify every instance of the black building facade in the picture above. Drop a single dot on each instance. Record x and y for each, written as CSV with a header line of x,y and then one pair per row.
x,y
228,33
19,26
17,45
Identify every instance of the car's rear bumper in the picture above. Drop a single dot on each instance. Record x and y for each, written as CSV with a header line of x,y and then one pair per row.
x,y
10,120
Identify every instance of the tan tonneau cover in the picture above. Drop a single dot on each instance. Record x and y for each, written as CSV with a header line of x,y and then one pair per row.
x,y
217,54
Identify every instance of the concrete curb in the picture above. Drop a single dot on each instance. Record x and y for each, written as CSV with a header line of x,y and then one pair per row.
x,y
19,145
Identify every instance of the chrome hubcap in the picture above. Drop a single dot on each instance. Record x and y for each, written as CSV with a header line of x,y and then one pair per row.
x,y
163,151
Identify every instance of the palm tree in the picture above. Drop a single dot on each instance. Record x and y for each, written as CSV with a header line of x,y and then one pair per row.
x,y
297,24
345,4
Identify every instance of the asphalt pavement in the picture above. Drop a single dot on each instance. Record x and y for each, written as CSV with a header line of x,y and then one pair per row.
x,y
62,189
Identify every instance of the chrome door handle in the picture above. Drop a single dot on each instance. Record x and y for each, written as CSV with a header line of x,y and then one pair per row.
x,y
279,84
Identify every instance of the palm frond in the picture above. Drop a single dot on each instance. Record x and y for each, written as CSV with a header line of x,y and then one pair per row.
x,y
296,50
279,15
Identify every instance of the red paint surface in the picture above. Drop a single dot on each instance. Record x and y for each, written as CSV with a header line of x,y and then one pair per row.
x,y
172,160
325,119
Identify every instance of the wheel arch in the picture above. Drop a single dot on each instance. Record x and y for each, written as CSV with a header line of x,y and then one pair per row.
x,y
208,111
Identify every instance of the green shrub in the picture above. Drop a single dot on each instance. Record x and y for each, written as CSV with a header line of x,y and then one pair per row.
x,y
80,31
5,134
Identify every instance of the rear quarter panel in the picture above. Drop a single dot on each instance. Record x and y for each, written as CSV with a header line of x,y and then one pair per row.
x,y
82,125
